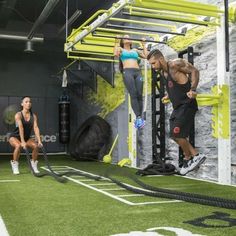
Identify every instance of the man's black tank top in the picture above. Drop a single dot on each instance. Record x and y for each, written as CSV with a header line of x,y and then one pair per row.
x,y
177,93
27,125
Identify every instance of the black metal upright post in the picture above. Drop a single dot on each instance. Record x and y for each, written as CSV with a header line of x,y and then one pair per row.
x,y
226,4
190,55
158,118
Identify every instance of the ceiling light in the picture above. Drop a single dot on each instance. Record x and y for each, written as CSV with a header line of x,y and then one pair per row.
x,y
29,47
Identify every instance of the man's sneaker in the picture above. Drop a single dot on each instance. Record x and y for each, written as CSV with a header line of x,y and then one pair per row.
x,y
15,167
185,167
34,166
198,160
192,164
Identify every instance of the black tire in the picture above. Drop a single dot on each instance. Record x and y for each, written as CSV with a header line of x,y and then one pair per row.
x,y
91,141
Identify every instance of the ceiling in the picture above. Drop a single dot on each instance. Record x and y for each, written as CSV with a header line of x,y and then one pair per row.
x,y
17,17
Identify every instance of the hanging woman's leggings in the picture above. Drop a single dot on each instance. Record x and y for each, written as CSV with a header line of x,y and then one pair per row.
x,y
133,81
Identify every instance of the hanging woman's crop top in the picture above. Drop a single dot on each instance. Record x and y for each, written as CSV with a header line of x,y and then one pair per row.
x,y
126,55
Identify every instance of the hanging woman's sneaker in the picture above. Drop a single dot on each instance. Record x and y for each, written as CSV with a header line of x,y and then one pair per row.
x,y
139,123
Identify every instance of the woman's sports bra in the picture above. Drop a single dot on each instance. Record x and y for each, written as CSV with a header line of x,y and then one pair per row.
x,y
126,55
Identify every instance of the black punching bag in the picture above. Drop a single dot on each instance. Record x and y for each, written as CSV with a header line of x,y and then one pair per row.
x,y
64,119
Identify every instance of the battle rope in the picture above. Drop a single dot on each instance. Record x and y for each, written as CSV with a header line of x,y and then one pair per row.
x,y
51,173
146,190
171,194
194,195
160,168
58,176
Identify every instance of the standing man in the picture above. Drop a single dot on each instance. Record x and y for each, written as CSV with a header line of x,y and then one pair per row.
x,y
181,79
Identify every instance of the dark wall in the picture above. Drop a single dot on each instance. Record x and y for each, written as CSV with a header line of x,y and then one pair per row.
x,y
35,75
32,75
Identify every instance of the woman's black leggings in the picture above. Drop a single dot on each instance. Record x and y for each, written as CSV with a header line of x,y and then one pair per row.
x,y
133,81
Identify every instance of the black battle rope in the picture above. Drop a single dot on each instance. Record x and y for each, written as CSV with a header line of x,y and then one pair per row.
x,y
194,195
58,177
52,173
67,173
160,168
223,204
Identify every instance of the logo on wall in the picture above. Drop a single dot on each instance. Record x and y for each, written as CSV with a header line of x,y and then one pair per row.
x,y
44,138
9,114
47,138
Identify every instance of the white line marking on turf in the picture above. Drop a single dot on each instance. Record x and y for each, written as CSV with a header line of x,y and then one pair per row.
x,y
3,229
157,202
87,180
101,191
151,176
104,191
206,180
112,189
77,176
59,170
9,180
131,195
103,184
87,173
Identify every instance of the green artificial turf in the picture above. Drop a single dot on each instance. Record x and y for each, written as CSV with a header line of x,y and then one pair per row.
x,y
43,207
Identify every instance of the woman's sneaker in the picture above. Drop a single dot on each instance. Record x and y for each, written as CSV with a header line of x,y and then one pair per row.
x,y
15,167
34,166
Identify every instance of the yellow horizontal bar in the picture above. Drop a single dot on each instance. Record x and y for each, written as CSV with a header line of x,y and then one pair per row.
x,y
161,12
66,67
191,4
177,19
134,41
93,37
172,27
212,96
93,48
92,53
91,59
125,32
207,102
205,99
179,5
86,22
94,43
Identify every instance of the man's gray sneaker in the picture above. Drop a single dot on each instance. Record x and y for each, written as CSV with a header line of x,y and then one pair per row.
x,y
192,164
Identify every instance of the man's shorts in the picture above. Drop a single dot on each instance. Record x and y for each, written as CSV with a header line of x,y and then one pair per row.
x,y
181,121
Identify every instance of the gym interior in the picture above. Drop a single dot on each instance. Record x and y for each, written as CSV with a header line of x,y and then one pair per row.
x,y
99,172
